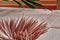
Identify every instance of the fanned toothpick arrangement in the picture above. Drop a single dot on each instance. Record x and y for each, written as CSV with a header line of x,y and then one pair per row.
x,y
21,29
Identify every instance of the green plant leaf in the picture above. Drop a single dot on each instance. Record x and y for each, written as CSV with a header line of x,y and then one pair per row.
x,y
31,6
37,4
18,3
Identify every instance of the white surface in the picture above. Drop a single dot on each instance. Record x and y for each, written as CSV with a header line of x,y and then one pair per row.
x,y
52,17
52,34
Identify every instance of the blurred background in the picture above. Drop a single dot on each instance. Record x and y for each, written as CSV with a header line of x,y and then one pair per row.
x,y
51,4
